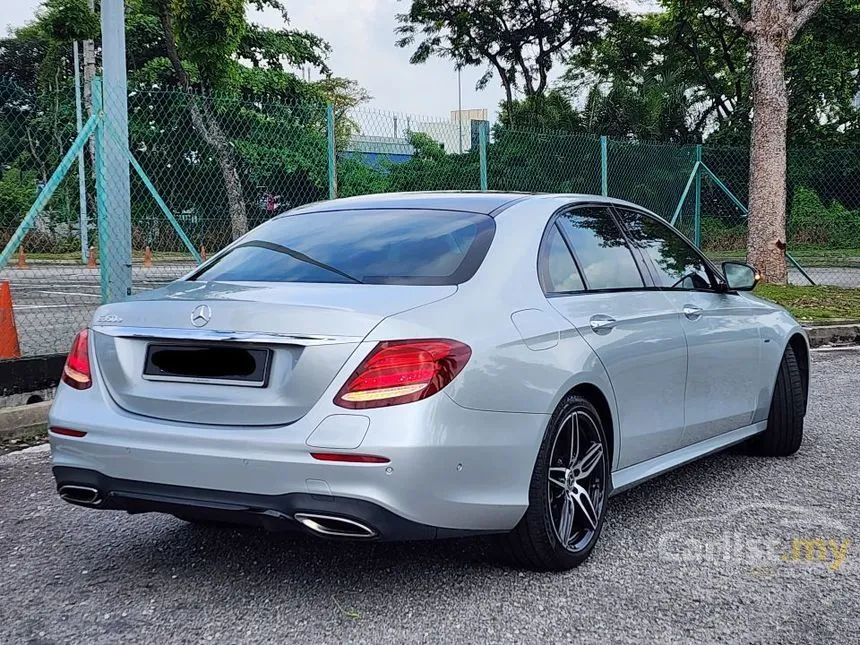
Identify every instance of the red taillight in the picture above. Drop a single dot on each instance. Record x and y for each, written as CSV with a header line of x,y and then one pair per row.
x,y
76,372
68,432
350,457
402,371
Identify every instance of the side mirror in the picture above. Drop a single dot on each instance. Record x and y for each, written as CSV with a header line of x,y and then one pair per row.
x,y
740,276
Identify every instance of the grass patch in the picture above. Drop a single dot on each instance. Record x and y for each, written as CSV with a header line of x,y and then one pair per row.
x,y
815,304
806,257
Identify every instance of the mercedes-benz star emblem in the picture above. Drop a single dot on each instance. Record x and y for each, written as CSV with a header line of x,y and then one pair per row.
x,y
201,315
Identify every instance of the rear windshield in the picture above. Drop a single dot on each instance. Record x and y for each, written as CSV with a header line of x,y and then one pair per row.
x,y
397,246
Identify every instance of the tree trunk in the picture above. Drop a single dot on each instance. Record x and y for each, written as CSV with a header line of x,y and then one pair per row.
x,y
207,127
767,190
232,182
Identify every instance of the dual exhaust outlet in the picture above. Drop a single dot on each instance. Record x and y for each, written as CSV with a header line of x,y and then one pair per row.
x,y
327,525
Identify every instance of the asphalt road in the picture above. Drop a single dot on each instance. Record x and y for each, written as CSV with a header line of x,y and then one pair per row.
x,y
53,301
709,553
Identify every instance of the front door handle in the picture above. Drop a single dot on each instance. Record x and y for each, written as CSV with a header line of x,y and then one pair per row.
x,y
602,323
692,312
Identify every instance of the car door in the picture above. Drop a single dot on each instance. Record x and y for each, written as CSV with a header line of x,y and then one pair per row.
x,y
722,329
594,280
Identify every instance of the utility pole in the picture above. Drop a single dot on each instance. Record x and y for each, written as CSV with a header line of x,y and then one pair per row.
x,y
113,181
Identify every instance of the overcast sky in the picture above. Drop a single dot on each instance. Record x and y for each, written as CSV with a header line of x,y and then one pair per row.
x,y
361,33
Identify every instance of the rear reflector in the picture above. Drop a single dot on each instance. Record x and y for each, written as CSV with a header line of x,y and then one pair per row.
x,y
402,371
76,372
350,458
68,432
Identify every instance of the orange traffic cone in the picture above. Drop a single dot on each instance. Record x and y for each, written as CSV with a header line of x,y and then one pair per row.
x,y
147,257
91,263
203,253
22,259
9,347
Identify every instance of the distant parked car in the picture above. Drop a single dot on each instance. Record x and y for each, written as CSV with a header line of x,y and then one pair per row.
x,y
428,365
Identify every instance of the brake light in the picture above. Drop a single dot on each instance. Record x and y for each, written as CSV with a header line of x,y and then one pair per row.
x,y
76,372
402,371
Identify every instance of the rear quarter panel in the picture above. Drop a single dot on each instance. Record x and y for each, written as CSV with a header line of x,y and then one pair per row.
x,y
525,367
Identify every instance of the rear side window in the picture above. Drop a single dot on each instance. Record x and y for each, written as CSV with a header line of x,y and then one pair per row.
x,y
601,249
558,273
397,246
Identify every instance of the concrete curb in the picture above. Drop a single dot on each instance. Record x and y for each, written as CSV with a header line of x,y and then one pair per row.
x,y
21,419
821,335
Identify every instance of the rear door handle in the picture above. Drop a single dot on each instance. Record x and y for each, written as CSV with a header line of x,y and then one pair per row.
x,y
602,323
692,312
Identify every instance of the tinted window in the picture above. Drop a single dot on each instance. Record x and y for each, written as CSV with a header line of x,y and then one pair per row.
x,y
678,264
378,247
601,249
558,271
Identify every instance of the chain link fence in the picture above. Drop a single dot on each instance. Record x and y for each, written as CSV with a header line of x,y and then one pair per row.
x,y
205,169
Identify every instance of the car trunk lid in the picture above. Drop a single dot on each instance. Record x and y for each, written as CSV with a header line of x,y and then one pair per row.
x,y
246,354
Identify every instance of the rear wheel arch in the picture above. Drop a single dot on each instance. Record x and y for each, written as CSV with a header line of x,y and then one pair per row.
x,y
599,400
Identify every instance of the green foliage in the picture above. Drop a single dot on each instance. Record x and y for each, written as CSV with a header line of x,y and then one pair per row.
x,y
683,74
17,194
208,33
812,224
69,20
520,42
553,112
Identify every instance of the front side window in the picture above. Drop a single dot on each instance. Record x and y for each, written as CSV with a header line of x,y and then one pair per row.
x,y
386,246
601,250
678,265
558,272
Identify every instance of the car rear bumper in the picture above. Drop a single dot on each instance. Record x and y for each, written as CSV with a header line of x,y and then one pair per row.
x,y
338,517
448,467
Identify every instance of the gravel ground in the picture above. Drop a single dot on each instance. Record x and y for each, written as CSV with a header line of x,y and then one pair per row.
x,y
704,554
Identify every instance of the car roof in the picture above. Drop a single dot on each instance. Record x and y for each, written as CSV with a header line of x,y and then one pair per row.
x,y
486,203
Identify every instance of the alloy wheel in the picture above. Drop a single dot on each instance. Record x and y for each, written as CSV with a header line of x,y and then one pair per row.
x,y
576,481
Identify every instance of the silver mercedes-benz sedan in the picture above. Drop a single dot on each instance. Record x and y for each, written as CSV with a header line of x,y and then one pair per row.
x,y
428,365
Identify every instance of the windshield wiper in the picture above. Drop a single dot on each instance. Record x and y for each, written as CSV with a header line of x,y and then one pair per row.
x,y
301,257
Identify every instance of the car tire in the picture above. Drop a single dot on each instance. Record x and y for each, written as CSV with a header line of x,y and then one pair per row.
x,y
536,542
784,432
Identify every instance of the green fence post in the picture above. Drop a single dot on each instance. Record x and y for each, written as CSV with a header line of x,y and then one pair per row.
x,y
482,148
697,220
99,170
332,159
604,166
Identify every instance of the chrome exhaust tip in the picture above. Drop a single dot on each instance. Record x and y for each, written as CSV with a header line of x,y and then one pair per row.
x,y
332,526
85,495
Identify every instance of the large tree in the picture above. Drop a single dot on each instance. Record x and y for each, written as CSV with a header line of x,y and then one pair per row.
x,y
700,63
518,40
210,36
770,25
245,88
